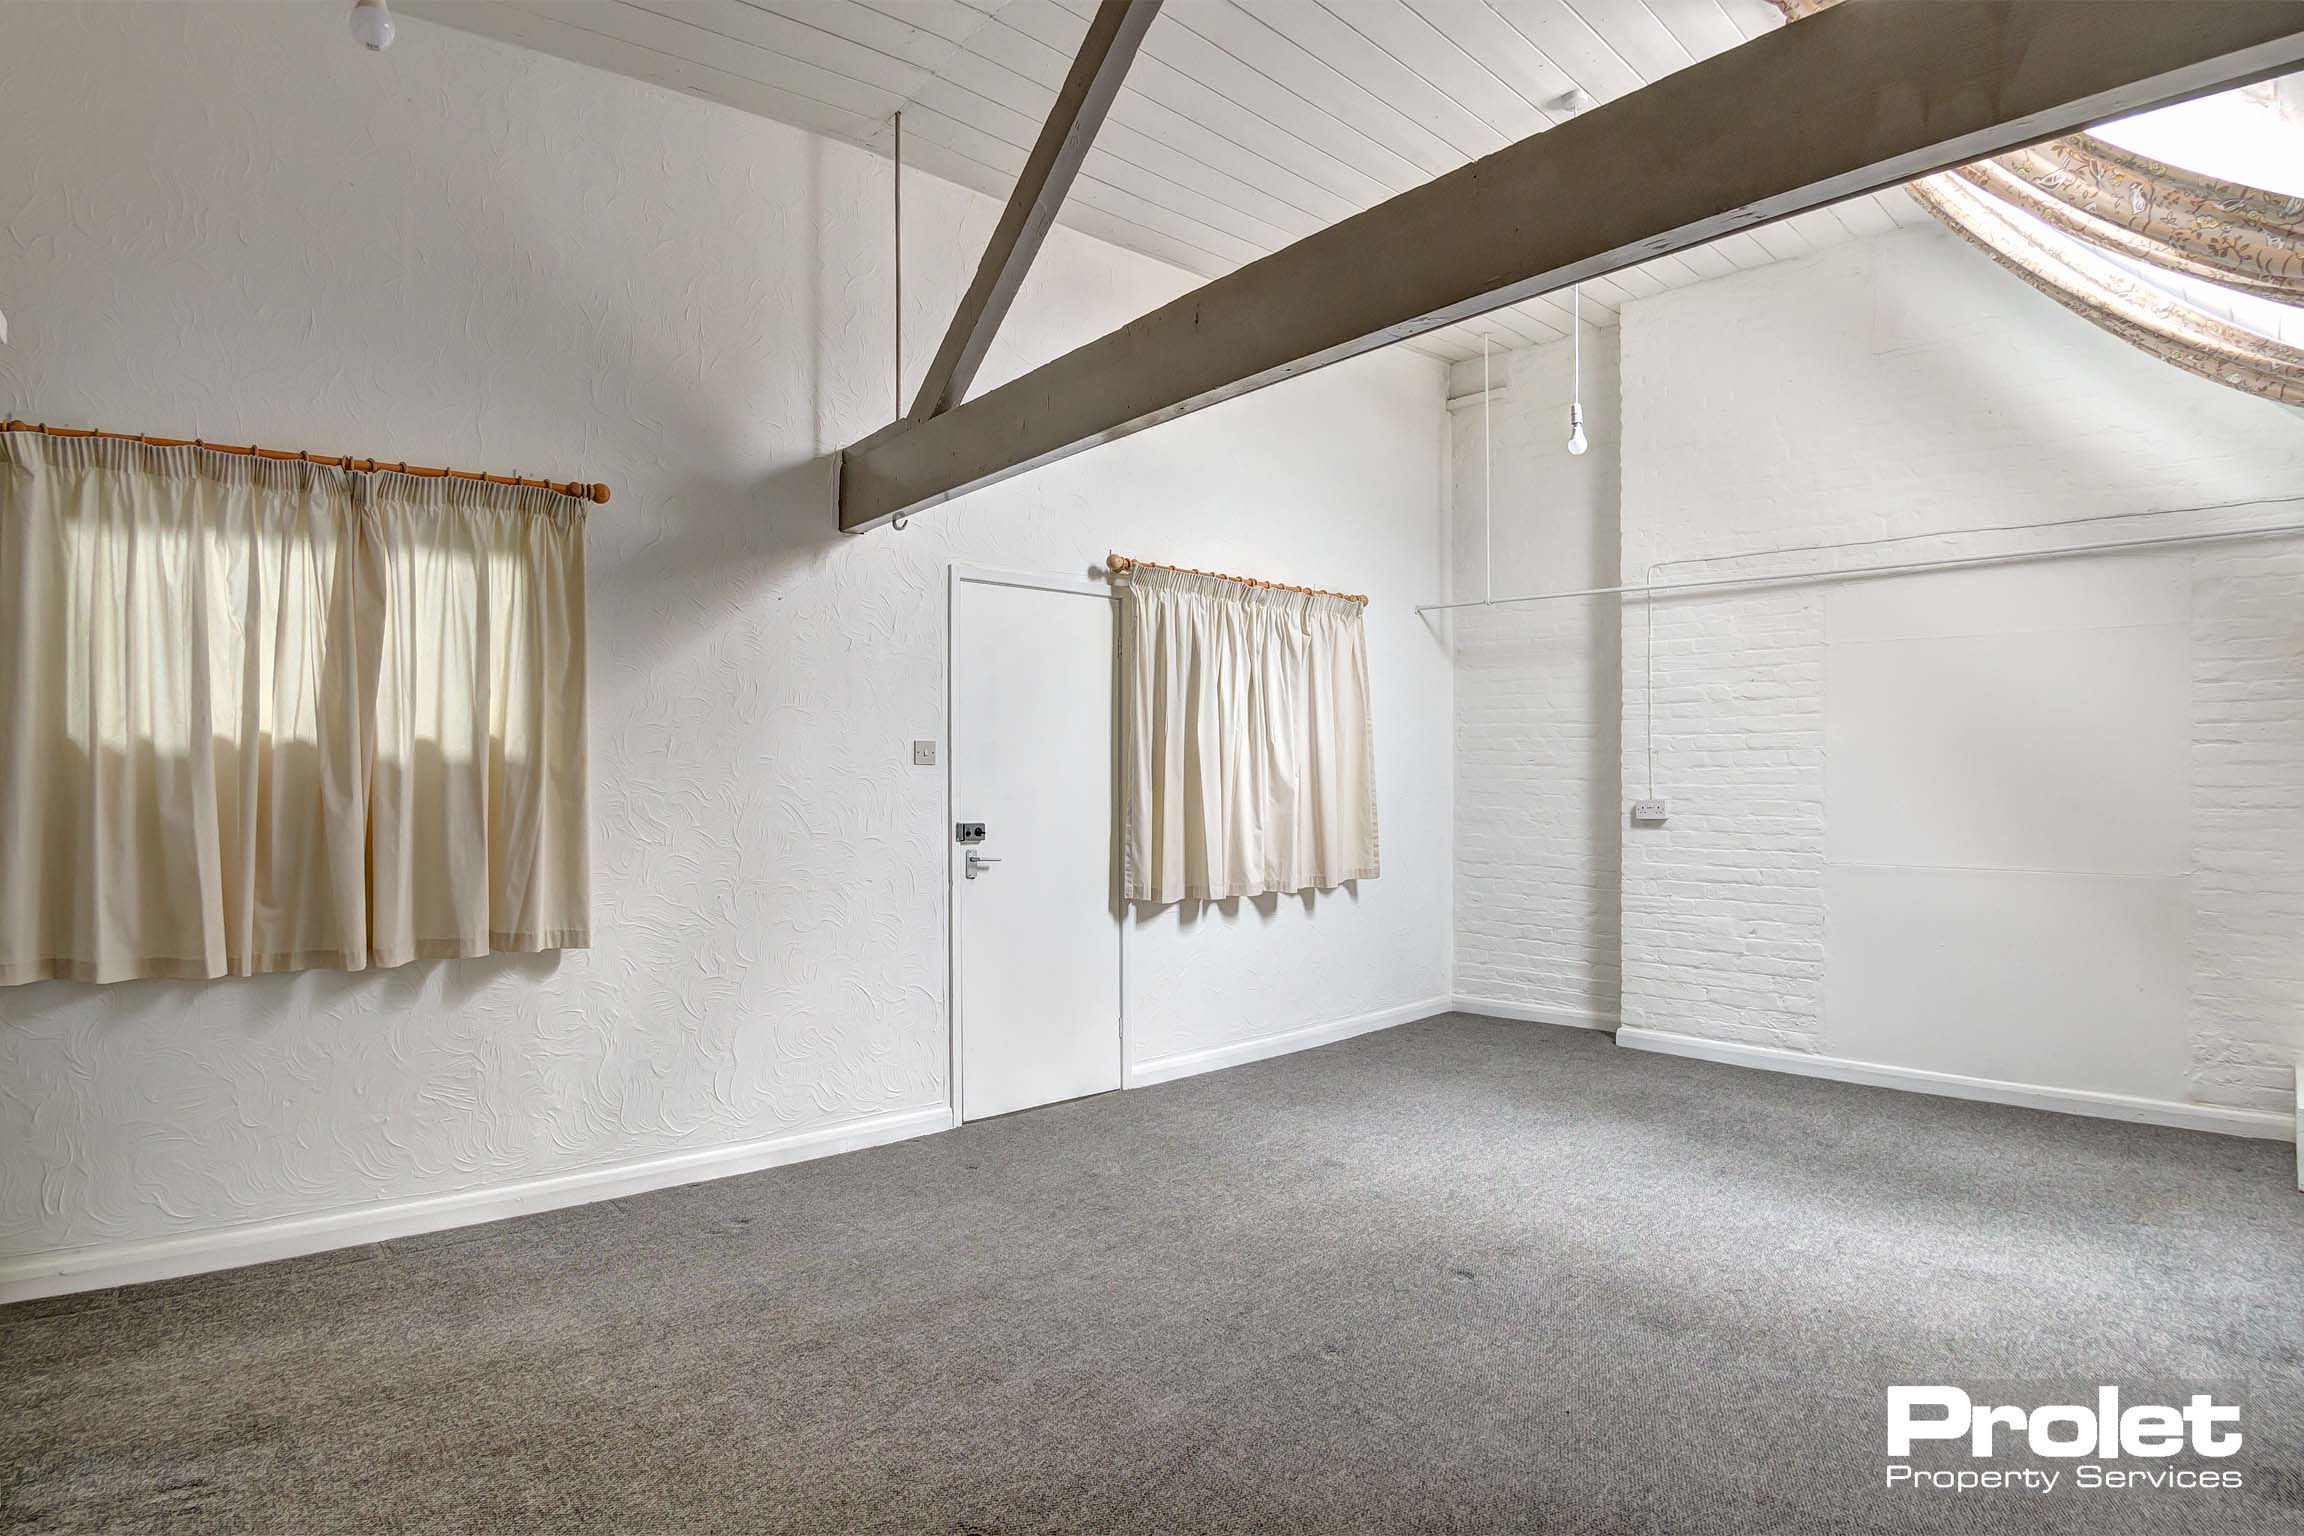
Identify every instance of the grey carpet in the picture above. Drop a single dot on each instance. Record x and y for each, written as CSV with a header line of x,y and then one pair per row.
x,y
1463,1275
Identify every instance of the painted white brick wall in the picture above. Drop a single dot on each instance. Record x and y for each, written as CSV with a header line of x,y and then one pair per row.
x,y
1724,905
1538,838
1903,389
1903,386
2247,884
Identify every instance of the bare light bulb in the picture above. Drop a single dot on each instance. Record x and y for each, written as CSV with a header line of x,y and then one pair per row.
x,y
372,25
1577,442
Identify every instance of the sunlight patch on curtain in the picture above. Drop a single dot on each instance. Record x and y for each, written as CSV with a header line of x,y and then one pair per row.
x,y
266,715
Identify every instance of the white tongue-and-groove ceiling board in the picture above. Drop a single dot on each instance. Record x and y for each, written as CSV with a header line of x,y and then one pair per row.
x,y
1244,125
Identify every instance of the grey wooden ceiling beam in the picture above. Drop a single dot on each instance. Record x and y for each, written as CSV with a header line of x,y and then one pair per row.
x,y
1859,98
1065,138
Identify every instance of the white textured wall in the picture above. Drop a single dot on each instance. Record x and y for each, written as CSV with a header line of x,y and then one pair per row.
x,y
228,221
1538,830
2042,824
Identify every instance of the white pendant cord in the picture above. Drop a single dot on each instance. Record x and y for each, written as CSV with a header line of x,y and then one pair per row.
x,y
1576,368
1576,346
896,226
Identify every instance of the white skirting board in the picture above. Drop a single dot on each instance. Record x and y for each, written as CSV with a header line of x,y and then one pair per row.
x,y
1534,1013
107,1264
2262,1123
1144,1074
29,1276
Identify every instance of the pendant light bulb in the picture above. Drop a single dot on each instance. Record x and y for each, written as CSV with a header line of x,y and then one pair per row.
x,y
1577,441
372,26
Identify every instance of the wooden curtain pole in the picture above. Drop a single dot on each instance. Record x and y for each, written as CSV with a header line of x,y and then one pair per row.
x,y
584,490
1120,565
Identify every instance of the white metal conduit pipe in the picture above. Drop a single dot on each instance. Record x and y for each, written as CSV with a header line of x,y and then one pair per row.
x,y
1910,567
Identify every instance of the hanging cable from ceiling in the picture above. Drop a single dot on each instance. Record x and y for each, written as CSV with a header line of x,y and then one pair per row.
x,y
1575,102
1577,442
896,183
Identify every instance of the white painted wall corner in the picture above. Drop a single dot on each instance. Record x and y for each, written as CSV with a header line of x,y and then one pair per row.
x,y
1143,1074
1535,1013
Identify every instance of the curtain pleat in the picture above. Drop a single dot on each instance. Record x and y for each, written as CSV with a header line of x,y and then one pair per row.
x,y
1248,754
478,813
215,674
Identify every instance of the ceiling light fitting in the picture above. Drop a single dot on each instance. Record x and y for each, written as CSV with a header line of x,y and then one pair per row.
x,y
372,25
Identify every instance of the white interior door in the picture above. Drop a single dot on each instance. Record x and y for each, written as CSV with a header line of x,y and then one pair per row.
x,y
1036,929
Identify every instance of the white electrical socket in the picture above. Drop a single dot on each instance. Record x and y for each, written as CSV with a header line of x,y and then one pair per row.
x,y
1648,813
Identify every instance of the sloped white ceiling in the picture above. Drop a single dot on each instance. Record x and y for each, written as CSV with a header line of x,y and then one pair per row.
x,y
1245,124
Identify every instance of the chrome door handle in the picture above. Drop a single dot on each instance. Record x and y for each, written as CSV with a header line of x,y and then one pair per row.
x,y
975,862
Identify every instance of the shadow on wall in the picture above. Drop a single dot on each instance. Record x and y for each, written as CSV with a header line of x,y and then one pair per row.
x,y
273,1002
293,1056
709,540
1541,770
732,538
1959,353
1232,910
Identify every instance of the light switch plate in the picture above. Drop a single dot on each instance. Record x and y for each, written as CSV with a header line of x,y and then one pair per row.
x,y
923,754
1648,813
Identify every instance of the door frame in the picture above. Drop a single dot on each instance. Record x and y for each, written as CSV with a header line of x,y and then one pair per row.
x,y
957,573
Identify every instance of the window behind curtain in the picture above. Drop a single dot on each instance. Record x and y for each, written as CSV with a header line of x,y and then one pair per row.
x,y
261,715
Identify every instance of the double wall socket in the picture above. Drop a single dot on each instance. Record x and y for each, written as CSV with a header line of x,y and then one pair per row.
x,y
1648,813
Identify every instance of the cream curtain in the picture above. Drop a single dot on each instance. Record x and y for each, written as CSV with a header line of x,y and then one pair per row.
x,y
478,810
1248,761
261,716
